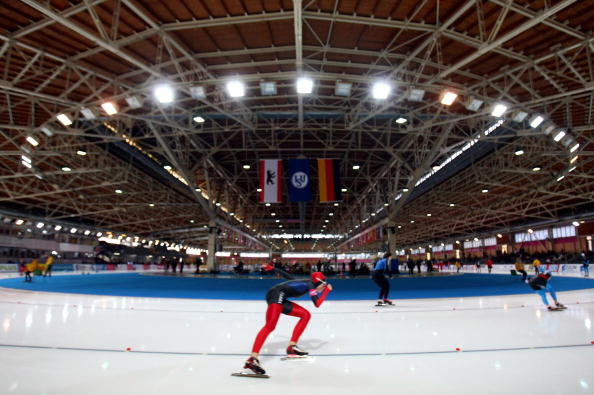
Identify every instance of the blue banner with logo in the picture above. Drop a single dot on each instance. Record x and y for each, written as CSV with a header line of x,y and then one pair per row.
x,y
299,180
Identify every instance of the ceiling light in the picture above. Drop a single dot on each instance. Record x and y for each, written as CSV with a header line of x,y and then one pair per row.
x,y
134,102
404,189
304,85
519,116
485,191
119,191
401,120
26,164
575,158
499,235
499,110
559,136
536,121
259,190
66,168
236,88
198,119
247,167
267,88
47,132
575,223
380,90
32,141
88,113
273,214
57,227
356,167
560,178
218,204
343,88
574,148
167,167
64,119
473,104
536,168
25,158
197,189
335,204
530,231
343,190
412,221
428,214
198,92
416,95
278,220
151,204
448,98
73,230
164,93
267,204
87,232
40,225
19,222
572,169
81,153
519,151
109,108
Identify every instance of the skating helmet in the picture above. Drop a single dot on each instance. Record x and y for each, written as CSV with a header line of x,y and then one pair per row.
x,y
318,278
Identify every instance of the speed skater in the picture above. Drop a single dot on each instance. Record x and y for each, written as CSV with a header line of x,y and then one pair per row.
x,y
276,297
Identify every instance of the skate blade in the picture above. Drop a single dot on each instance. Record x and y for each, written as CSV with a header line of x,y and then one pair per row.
x,y
250,374
384,305
301,358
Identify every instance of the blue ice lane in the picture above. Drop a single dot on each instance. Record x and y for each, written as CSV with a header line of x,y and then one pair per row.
x,y
137,285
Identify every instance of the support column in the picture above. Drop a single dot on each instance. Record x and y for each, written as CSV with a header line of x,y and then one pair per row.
x,y
391,238
212,246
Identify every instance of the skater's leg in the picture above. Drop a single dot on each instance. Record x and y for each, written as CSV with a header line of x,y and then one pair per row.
x,y
385,287
552,292
304,316
543,295
272,314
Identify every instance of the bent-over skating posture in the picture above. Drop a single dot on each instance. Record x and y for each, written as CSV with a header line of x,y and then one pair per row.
x,y
541,285
276,297
379,277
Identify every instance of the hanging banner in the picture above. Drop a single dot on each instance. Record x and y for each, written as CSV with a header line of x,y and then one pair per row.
x,y
299,180
270,180
329,180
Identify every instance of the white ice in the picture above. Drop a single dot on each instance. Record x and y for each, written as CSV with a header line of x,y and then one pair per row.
x,y
76,344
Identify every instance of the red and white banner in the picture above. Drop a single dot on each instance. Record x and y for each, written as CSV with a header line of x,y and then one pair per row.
x,y
271,174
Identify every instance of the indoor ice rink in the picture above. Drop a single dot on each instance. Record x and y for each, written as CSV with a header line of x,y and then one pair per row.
x,y
161,161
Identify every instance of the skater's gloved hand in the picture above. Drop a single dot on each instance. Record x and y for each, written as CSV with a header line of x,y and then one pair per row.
x,y
329,286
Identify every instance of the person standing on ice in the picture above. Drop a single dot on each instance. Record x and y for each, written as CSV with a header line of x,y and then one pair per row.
x,y
276,297
379,277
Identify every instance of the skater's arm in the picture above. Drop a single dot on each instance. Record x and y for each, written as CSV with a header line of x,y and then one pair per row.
x,y
318,299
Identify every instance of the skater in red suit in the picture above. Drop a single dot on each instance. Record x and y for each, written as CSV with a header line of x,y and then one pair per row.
x,y
276,297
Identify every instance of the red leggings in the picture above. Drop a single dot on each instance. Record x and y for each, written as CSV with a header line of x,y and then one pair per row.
x,y
272,314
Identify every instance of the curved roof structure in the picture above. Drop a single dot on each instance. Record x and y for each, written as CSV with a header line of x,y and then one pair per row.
x,y
169,169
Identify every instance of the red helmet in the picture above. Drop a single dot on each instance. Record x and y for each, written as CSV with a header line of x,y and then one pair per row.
x,y
317,278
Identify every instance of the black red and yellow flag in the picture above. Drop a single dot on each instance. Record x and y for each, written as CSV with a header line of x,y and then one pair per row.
x,y
329,180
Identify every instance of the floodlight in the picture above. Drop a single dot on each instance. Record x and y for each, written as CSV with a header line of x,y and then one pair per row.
x,y
64,119
134,102
164,93
198,119
519,116
267,88
356,167
401,120
40,225
575,223
485,191
109,108
26,164
560,178
198,92
167,167
304,85
88,113
343,190
536,121
473,104
574,159
416,95
448,98
66,169
380,90
236,88
31,140
559,136
119,191
536,168
247,167
87,232
25,158
519,151
343,88
81,153
57,227
19,222
73,230
499,110
574,148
